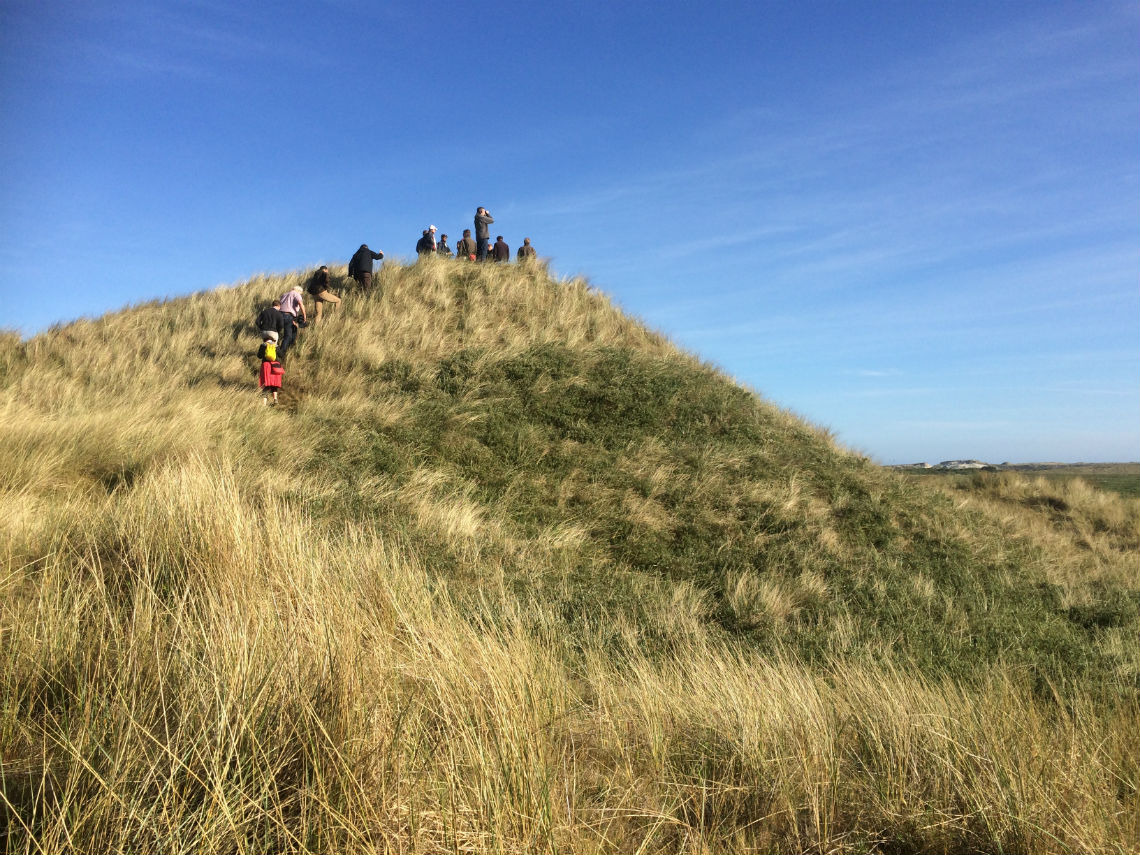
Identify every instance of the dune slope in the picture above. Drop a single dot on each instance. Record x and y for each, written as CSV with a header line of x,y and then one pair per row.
x,y
507,570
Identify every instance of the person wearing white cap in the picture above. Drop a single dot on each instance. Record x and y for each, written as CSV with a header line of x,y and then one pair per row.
x,y
426,244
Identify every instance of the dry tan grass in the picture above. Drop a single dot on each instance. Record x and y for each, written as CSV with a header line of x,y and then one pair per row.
x,y
1096,533
193,659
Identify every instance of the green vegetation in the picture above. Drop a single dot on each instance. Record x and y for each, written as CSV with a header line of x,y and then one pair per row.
x,y
508,571
1121,478
1125,485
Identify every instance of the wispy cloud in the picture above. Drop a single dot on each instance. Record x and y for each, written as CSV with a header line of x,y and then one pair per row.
x,y
899,393
931,167
191,40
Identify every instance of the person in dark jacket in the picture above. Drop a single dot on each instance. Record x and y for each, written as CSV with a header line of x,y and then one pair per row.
x,y
270,320
501,251
526,251
319,290
360,267
483,219
442,248
426,244
466,248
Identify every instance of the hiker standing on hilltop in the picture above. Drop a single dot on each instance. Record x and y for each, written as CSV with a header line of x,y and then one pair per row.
x,y
426,244
483,219
360,267
501,251
466,248
526,251
442,248
292,304
319,290
269,377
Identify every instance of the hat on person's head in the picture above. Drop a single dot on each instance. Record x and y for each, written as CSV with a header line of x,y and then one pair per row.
x,y
298,289
431,228
270,335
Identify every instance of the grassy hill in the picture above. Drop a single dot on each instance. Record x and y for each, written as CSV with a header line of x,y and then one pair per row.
x,y
508,571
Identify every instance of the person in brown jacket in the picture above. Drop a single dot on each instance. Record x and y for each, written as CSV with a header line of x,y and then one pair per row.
x,y
526,251
319,289
467,247
500,250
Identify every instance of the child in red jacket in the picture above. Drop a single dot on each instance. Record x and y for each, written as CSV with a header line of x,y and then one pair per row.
x,y
271,371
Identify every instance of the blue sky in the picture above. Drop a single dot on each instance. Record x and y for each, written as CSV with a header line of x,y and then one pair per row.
x,y
914,223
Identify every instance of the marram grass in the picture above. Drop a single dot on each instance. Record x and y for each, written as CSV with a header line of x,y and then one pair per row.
x,y
507,571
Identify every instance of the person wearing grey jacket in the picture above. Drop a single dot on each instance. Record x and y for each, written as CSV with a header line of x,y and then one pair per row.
x,y
483,219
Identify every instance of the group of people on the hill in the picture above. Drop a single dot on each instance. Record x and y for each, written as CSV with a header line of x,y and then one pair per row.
x,y
280,322
479,249
278,325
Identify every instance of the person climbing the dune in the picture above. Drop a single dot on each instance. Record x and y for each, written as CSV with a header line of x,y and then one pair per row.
x,y
271,372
